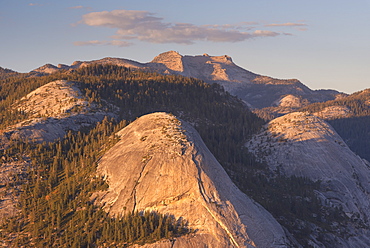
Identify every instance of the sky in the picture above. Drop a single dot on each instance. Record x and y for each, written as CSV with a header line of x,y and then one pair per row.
x,y
325,44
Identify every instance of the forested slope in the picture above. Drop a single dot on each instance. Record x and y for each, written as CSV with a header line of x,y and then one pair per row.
x,y
63,169
54,191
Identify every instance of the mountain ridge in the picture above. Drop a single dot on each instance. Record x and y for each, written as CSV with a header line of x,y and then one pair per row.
x,y
137,91
255,90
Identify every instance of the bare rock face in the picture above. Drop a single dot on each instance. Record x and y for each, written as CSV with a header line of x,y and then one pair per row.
x,y
304,145
161,164
9,167
289,101
172,60
212,69
284,105
52,99
255,90
46,69
54,109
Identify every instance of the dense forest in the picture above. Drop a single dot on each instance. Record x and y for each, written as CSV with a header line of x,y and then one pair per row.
x,y
6,73
56,192
355,131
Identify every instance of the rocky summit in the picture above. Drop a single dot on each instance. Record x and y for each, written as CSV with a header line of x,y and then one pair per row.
x,y
161,164
255,90
52,109
304,145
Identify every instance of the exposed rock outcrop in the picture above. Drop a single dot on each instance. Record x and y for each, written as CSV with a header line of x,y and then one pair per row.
x,y
255,90
171,60
53,109
53,99
46,69
304,145
162,164
10,167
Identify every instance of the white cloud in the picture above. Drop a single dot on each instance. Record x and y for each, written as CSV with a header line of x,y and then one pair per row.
x,y
34,4
80,7
299,26
302,29
77,7
119,43
145,26
88,43
265,33
236,26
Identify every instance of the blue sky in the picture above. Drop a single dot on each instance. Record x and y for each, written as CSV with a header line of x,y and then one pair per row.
x,y
325,44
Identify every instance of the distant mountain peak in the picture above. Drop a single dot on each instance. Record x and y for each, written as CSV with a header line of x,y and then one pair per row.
x,y
222,59
170,53
47,69
171,59
255,90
